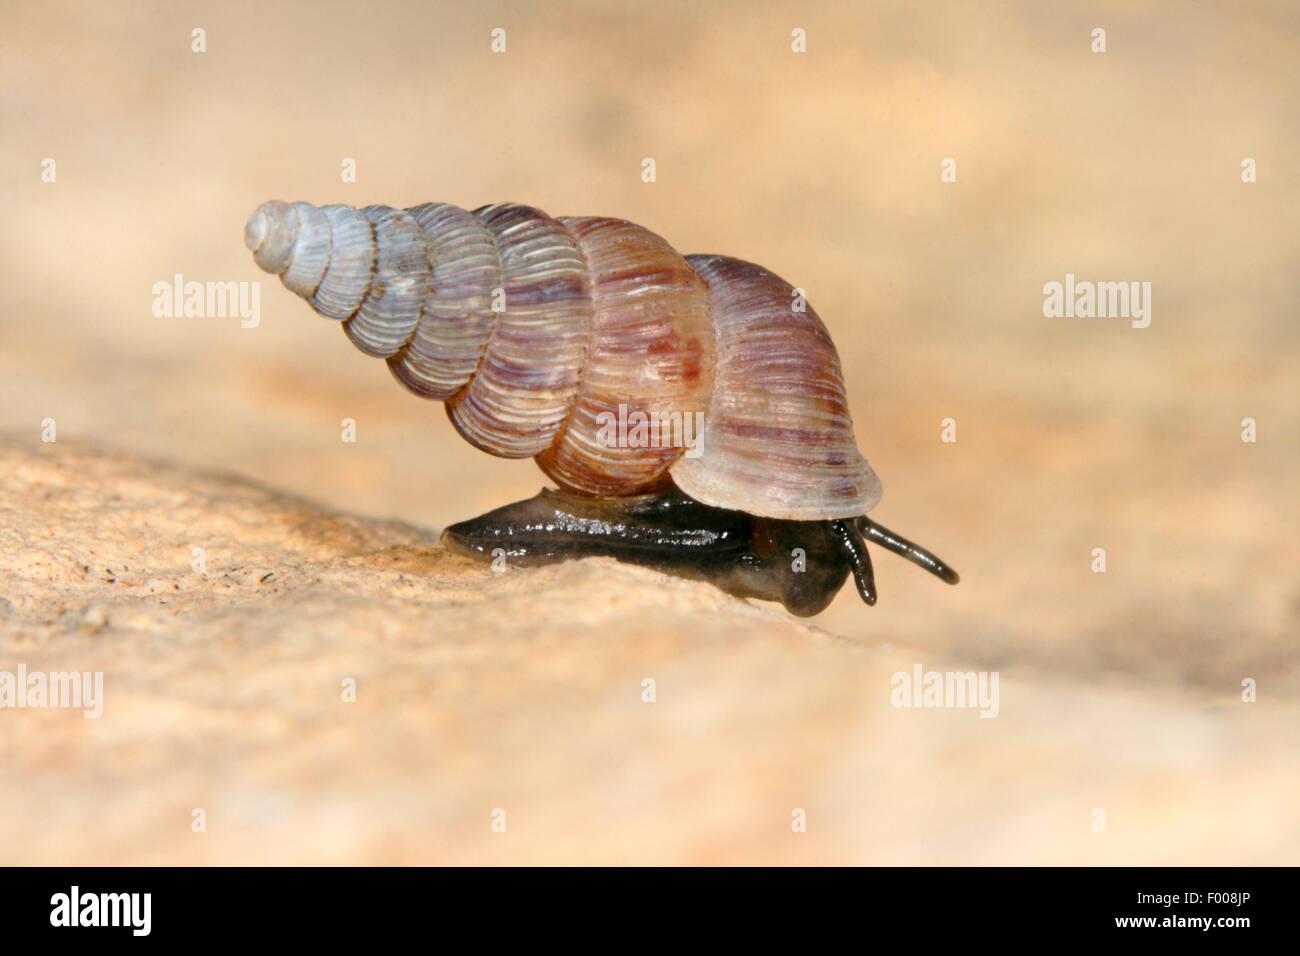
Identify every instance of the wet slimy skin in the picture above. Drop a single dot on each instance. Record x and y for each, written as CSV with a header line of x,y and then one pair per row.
x,y
802,564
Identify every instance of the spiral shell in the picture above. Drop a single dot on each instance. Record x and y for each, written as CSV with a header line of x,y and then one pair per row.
x,y
537,332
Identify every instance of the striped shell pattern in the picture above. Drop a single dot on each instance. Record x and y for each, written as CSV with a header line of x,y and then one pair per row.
x,y
536,331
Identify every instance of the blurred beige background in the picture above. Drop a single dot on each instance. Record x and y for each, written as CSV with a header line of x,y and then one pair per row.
x,y
1073,434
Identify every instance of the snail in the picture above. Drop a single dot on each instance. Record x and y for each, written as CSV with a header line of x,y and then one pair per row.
x,y
690,409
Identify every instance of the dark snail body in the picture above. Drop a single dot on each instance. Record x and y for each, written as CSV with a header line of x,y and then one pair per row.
x,y
536,332
802,564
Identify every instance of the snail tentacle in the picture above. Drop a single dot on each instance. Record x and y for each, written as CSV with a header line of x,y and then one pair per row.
x,y
855,549
918,555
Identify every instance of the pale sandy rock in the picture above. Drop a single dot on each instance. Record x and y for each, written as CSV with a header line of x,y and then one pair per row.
x,y
523,691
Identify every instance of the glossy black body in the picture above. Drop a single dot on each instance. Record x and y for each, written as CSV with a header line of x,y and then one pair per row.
x,y
802,564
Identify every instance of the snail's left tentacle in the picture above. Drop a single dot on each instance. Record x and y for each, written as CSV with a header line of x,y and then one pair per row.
x,y
896,543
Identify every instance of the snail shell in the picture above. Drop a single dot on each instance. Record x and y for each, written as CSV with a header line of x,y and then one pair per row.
x,y
533,329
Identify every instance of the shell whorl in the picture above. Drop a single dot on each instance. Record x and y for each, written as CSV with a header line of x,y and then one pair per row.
x,y
516,402
538,332
778,435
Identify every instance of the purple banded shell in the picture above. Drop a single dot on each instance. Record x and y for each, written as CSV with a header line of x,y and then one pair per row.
x,y
538,333
516,402
453,331
778,436
651,351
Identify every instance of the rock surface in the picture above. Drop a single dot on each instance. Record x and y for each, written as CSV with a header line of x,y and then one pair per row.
x,y
224,691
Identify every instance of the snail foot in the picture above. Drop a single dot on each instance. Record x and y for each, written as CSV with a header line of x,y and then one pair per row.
x,y
801,564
